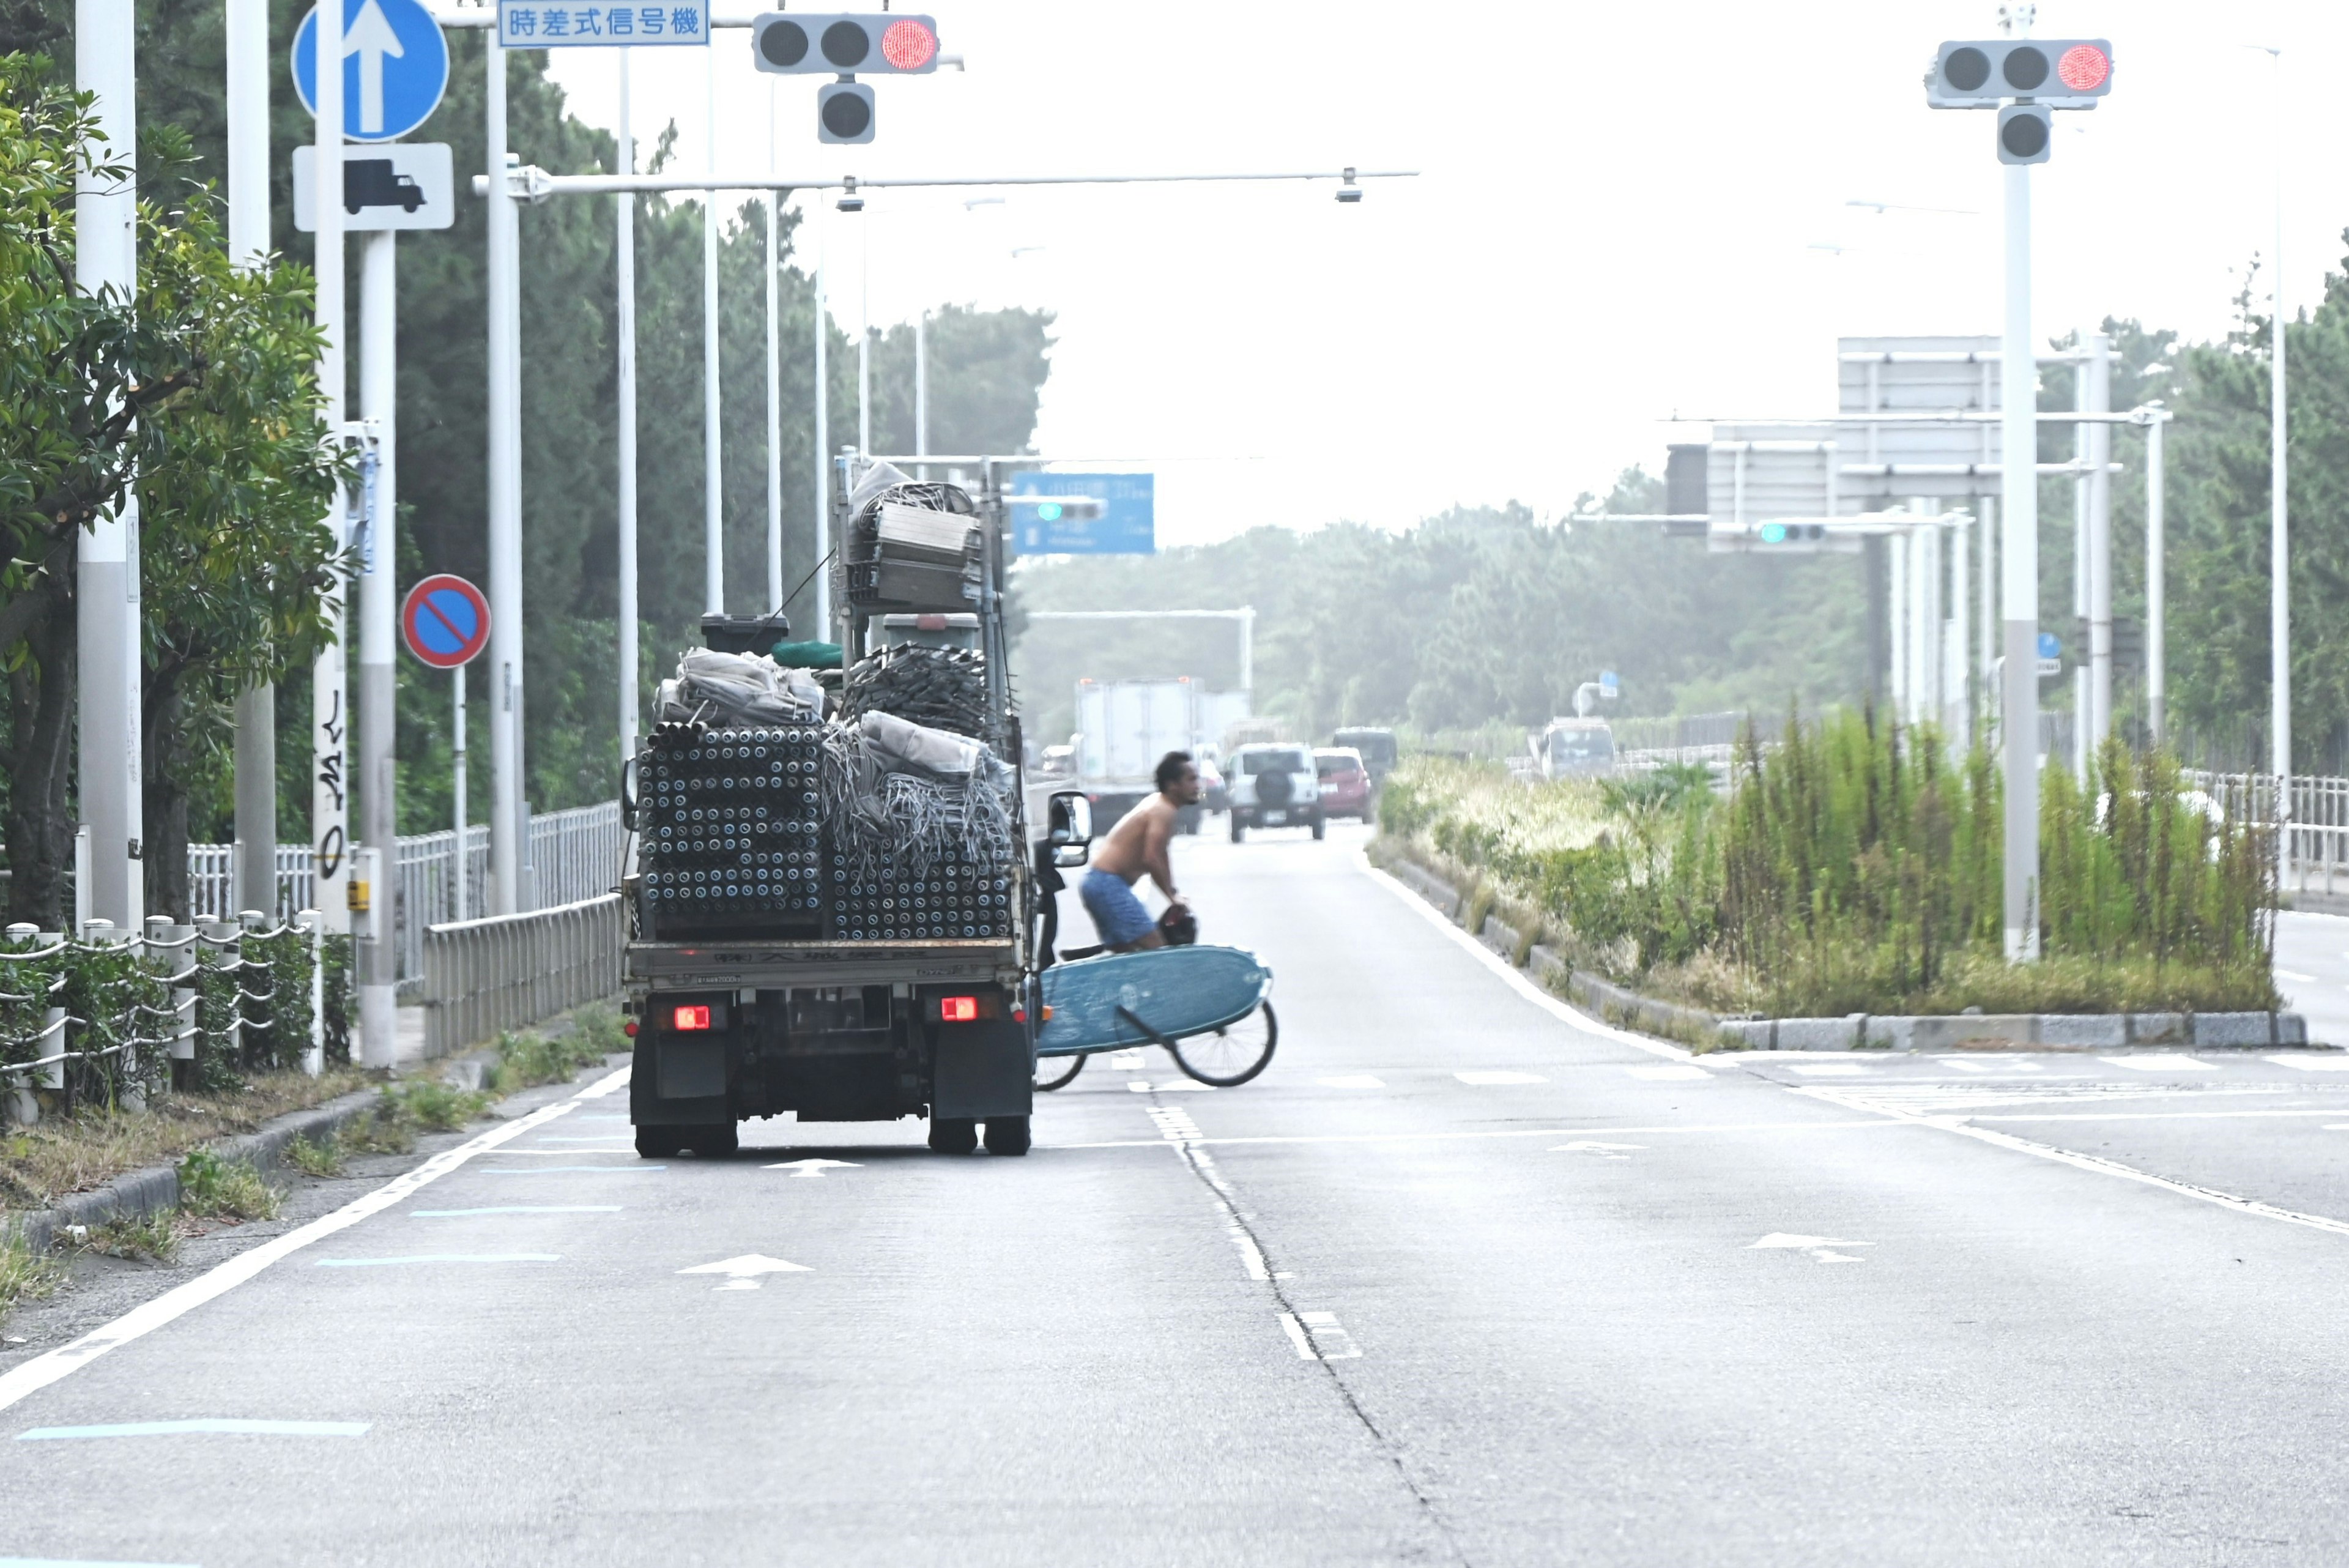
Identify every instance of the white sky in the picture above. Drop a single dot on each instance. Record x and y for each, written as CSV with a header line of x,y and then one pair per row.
x,y
1616,221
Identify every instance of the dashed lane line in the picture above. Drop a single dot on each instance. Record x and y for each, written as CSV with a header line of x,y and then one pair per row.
x,y
214,1425
21,1382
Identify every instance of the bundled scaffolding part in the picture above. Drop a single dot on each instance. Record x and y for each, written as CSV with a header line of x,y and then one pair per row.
x,y
923,842
731,840
727,689
944,688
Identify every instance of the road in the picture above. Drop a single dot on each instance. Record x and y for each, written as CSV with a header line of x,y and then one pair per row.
x,y
1461,1279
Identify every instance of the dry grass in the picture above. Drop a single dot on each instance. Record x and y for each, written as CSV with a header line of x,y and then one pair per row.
x,y
40,1164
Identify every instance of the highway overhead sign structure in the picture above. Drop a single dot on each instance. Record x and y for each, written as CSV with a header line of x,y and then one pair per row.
x,y
445,621
535,25
1102,514
395,68
405,185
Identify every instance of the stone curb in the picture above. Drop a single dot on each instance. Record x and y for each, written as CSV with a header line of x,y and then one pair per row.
x,y
136,1194
1865,1032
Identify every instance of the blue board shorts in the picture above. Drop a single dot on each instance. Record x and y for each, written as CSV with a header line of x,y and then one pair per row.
x,y
1117,914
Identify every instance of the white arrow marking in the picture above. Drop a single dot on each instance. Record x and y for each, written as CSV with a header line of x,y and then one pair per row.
x,y
1820,1248
1603,1150
813,1168
744,1271
371,37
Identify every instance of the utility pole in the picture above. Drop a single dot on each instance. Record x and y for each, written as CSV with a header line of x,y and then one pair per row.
x,y
2156,574
255,718
2279,530
2096,374
506,804
823,423
713,521
2019,578
774,383
922,383
106,257
378,611
330,719
625,260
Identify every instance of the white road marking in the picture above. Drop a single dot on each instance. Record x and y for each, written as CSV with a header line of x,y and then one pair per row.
x,y
2095,1163
1834,1070
1682,1072
1821,1249
1491,1080
47,1368
1976,1065
2328,1063
208,1424
2293,974
516,1208
1603,1150
1127,1060
1330,1340
742,1274
1252,1255
2159,1062
1172,1086
1297,1336
802,1169
1515,978
1175,1124
1353,1081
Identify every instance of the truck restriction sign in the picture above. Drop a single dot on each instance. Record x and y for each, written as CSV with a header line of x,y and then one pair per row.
x,y
445,621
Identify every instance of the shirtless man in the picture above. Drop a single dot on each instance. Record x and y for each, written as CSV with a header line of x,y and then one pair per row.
x,y
1138,844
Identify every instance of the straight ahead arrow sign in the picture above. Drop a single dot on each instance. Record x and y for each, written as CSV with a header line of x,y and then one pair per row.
x,y
742,1274
813,1168
371,37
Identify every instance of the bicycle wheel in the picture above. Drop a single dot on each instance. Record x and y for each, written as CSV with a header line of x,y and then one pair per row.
x,y
1057,1071
1231,1055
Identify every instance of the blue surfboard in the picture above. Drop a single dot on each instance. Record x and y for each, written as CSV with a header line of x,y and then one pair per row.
x,y
1177,991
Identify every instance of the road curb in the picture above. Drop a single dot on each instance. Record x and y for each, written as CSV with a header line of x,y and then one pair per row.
x,y
1859,1031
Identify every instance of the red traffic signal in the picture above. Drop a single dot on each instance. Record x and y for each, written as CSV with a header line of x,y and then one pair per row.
x,y
805,43
1986,73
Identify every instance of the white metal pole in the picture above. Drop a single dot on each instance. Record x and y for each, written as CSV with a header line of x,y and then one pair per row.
x,y
2279,498
1897,603
921,382
865,338
713,525
378,965
624,261
2019,579
506,847
330,722
1248,654
823,423
2098,372
106,257
1954,666
2156,587
1928,624
255,741
774,381
1986,669
457,795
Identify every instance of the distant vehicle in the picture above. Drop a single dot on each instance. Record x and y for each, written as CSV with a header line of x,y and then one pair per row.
x,y
1345,783
1214,793
1123,727
1575,748
1275,786
1377,748
374,182
1058,763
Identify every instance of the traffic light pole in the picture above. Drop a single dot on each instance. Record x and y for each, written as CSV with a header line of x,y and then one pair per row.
x,y
505,670
378,610
330,719
625,259
255,768
2019,580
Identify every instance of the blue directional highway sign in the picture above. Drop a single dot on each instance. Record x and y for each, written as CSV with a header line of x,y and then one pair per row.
x,y
1123,522
395,68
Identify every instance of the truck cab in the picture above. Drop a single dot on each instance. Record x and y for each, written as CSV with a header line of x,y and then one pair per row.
x,y
1575,748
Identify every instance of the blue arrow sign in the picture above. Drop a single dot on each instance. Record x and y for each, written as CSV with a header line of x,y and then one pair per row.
x,y
395,68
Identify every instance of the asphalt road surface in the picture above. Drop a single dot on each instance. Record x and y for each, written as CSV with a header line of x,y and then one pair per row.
x,y
1461,1279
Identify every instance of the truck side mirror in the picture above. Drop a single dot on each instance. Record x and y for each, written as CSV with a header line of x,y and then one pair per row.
x,y
1070,827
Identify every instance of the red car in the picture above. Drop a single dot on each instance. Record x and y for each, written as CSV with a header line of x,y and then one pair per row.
x,y
1345,783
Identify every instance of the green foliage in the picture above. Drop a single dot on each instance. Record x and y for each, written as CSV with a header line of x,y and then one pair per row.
x,y
433,1106
322,1158
211,1187
24,1274
155,1236
530,1058
1852,869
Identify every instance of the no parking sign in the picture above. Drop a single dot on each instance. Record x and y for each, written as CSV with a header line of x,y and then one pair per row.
x,y
445,621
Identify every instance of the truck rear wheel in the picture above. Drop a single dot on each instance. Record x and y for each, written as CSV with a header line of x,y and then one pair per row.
x,y
1239,828
953,1134
1007,1135
716,1141
657,1143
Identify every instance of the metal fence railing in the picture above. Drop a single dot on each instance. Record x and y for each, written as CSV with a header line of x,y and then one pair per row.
x,y
573,855
508,971
2315,852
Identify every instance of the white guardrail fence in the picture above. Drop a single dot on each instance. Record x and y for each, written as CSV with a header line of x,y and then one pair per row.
x,y
574,855
481,976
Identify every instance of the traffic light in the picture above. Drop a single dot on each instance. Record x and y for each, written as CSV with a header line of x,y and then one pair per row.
x,y
2025,131
844,112
803,43
1776,539
1968,74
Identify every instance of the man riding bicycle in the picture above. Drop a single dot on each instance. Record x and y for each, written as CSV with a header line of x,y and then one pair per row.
x,y
1138,844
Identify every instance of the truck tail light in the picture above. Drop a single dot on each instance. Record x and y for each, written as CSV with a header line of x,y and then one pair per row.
x,y
957,1009
697,1017
629,1029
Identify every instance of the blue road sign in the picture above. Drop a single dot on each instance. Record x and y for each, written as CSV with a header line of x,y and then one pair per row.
x,y
395,67
2050,646
1126,525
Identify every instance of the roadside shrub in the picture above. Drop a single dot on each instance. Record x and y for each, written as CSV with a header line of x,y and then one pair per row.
x,y
435,1107
213,1187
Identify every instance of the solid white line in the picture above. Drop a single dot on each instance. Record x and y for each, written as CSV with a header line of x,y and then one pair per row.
x,y
44,1370
2152,1115
2089,1162
1563,1011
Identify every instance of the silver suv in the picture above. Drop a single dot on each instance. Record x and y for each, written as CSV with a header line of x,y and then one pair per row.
x,y
1274,786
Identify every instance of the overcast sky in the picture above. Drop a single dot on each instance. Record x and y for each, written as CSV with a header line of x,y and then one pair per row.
x,y
1621,215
